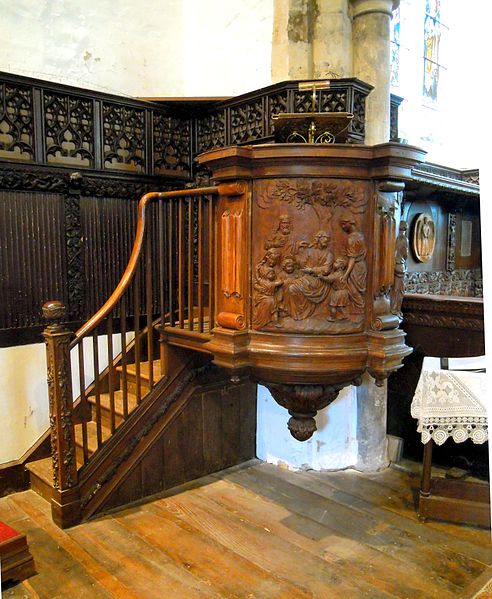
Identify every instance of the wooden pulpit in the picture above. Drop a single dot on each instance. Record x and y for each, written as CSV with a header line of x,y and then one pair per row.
x,y
309,277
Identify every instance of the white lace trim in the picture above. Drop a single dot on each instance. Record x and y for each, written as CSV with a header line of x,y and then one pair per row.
x,y
447,405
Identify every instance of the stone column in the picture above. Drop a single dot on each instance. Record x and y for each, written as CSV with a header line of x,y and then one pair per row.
x,y
292,34
371,62
332,40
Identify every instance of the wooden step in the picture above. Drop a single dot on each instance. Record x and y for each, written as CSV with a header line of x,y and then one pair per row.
x,y
105,402
91,439
41,477
131,376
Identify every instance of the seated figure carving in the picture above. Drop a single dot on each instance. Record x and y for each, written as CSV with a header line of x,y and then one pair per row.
x,y
298,285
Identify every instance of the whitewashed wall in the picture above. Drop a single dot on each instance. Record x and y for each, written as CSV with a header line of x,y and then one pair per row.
x,y
149,48
24,392
332,447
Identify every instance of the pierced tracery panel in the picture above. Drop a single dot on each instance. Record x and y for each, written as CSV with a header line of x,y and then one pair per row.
x,y
303,101
332,101
211,132
358,110
16,122
69,129
124,138
247,122
171,144
277,104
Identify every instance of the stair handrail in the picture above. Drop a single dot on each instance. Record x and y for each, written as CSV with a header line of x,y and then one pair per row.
x,y
131,267
64,413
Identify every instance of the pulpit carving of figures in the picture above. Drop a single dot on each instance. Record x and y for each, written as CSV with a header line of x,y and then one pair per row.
x,y
319,265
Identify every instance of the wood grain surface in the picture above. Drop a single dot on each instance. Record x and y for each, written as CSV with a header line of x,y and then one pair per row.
x,y
255,531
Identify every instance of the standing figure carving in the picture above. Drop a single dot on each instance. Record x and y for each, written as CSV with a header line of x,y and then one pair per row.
x,y
398,289
339,295
424,238
356,273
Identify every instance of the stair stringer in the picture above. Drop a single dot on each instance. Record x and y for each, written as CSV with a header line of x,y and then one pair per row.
x,y
109,481
99,478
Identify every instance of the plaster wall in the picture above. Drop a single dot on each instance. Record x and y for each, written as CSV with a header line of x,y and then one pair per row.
x,y
149,48
24,392
332,447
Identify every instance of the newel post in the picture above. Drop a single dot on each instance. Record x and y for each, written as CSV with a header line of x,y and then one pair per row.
x,y
65,503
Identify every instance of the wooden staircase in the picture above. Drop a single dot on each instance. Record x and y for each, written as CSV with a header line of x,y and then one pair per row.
x,y
192,424
144,424
41,471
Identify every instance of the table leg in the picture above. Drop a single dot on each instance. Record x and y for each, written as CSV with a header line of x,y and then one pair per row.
x,y
425,483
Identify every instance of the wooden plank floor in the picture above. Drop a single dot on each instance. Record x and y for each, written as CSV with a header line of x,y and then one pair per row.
x,y
256,531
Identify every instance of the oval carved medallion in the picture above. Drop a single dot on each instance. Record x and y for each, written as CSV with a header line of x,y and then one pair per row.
x,y
424,237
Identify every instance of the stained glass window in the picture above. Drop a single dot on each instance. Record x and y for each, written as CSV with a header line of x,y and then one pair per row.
x,y
433,30
395,48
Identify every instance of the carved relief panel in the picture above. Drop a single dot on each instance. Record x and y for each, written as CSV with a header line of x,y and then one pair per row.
x,y
310,256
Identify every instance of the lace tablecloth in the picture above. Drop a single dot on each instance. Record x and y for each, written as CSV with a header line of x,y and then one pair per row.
x,y
451,404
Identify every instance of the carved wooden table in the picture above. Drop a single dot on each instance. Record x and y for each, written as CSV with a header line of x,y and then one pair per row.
x,y
306,294
447,327
450,405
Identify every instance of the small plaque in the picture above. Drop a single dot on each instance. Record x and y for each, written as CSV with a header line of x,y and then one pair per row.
x,y
424,237
466,238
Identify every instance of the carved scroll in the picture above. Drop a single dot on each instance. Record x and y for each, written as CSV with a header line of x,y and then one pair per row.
x,y
388,197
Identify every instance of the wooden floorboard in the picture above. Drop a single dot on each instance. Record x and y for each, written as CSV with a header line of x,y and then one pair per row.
x,y
255,532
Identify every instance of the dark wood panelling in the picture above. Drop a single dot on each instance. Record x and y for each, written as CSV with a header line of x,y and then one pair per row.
x,y
107,228
72,245
32,255
215,429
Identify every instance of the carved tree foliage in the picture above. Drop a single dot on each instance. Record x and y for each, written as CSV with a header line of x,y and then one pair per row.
x,y
320,196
